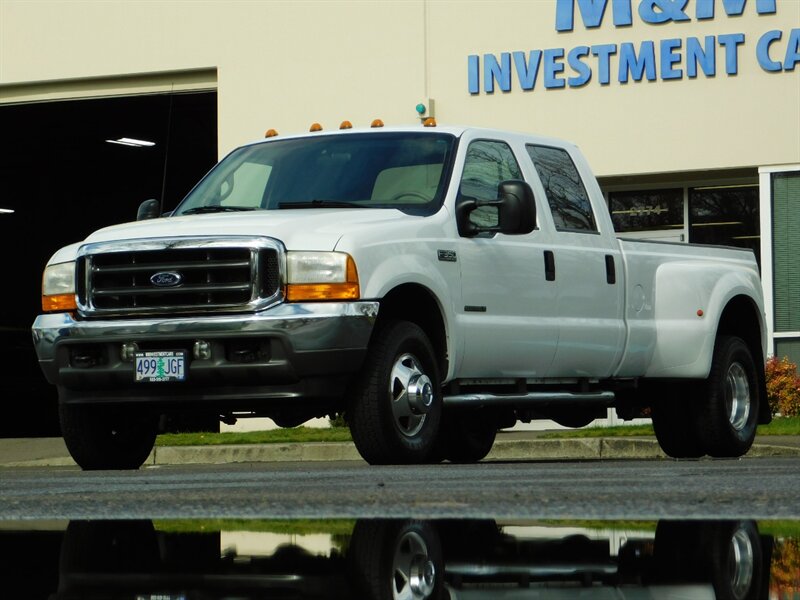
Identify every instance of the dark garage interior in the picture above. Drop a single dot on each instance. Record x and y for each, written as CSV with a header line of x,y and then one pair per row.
x,y
62,179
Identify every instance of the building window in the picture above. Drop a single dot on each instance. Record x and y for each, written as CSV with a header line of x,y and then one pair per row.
x,y
725,216
647,210
785,258
566,194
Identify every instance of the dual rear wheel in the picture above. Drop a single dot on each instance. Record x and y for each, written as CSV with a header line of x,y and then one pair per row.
x,y
717,416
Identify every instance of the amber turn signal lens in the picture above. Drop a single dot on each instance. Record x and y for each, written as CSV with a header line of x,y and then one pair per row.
x,y
59,303
296,292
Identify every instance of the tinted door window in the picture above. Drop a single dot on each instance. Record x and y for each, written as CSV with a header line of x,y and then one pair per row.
x,y
488,163
569,202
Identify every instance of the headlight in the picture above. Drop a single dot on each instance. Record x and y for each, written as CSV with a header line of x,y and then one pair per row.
x,y
321,276
58,287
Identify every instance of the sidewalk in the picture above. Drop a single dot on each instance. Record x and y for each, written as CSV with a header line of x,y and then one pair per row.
x,y
516,445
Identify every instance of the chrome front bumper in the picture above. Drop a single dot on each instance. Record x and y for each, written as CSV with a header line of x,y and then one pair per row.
x,y
303,341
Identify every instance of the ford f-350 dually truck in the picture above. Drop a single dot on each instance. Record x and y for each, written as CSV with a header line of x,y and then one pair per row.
x,y
432,284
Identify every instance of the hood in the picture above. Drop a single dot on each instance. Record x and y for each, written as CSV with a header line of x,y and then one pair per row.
x,y
298,229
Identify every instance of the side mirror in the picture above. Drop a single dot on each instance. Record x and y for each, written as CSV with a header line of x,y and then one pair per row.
x,y
516,210
517,207
149,209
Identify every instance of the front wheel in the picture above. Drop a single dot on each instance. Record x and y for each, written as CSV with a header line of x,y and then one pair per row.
x,y
396,406
730,408
107,437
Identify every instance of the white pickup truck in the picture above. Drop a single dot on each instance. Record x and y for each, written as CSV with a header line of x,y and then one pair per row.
x,y
432,284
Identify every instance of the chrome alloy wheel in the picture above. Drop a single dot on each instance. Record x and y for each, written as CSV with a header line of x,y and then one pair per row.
x,y
413,572
742,564
412,394
737,396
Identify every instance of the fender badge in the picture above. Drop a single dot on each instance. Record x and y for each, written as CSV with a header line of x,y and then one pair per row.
x,y
447,255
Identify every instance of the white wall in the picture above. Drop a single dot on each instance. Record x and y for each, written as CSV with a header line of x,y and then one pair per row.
x,y
286,64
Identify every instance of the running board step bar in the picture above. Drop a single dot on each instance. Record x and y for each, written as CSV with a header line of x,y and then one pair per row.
x,y
529,399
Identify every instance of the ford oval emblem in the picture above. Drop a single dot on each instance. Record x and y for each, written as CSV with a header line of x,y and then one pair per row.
x,y
166,279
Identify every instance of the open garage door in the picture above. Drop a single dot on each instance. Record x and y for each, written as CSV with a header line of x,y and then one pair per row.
x,y
70,167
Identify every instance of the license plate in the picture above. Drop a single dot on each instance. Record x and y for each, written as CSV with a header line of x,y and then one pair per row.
x,y
165,365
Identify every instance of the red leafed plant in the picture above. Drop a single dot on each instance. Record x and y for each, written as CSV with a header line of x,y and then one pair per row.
x,y
783,387
785,569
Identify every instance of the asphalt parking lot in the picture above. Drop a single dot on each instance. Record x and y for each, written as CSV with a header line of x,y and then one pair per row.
x,y
510,445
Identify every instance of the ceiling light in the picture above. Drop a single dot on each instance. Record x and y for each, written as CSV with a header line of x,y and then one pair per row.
x,y
6,211
132,142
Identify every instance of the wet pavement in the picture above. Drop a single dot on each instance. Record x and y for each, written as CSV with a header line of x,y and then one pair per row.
x,y
500,530
380,559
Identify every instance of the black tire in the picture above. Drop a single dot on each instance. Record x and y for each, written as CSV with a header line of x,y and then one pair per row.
x,y
731,399
468,435
675,416
107,437
396,406
394,559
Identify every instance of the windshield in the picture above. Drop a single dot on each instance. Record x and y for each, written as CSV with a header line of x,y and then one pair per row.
x,y
406,171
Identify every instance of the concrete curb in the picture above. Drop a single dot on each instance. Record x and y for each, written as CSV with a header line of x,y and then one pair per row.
x,y
524,449
315,451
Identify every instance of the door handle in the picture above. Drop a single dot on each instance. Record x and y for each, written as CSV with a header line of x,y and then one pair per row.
x,y
549,265
611,270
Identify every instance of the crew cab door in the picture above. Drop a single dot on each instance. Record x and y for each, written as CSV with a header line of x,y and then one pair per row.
x,y
585,264
508,317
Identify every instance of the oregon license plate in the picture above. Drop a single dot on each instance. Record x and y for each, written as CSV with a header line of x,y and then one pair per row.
x,y
162,365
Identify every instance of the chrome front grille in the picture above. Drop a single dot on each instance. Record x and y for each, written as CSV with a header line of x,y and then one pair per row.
x,y
186,275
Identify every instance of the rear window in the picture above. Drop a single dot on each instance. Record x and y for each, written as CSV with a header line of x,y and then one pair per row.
x,y
566,194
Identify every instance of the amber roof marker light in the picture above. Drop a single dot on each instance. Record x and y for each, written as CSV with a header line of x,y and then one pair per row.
x,y
429,122
315,127
270,133
376,123
346,125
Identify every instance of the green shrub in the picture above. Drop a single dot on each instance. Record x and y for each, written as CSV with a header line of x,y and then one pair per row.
x,y
337,420
783,387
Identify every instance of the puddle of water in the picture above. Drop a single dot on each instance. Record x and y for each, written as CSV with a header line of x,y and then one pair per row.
x,y
401,559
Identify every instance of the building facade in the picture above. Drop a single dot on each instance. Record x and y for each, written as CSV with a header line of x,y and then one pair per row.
x,y
688,110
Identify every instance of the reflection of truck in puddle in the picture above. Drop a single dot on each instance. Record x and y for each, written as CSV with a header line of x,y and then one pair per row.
x,y
418,560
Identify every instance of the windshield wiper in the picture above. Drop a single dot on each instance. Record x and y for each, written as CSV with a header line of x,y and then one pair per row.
x,y
320,204
215,208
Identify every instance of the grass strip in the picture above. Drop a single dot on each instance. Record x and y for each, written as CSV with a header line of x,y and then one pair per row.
x,y
779,426
598,431
272,436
